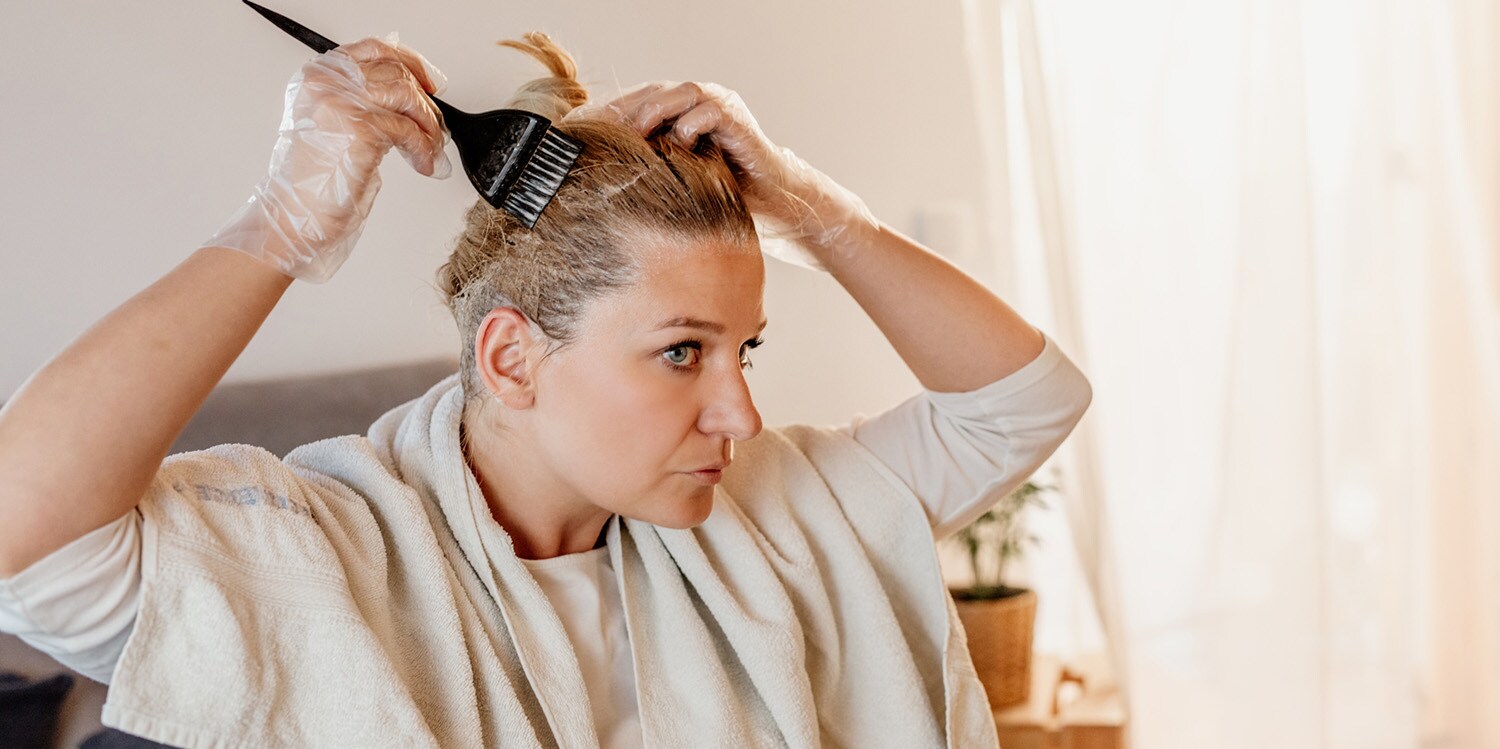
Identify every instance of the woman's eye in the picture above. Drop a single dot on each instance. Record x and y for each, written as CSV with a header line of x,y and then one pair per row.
x,y
685,355
745,362
680,356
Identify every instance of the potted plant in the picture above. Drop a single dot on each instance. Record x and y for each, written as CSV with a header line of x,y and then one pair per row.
x,y
997,617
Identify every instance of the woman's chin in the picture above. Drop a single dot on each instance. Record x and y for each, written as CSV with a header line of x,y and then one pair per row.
x,y
691,513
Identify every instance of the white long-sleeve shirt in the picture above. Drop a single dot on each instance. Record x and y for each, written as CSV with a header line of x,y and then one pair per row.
x,y
959,452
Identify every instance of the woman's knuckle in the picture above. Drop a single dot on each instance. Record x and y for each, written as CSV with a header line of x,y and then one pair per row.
x,y
362,45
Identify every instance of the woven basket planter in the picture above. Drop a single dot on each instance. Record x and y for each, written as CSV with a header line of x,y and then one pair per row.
x,y
999,633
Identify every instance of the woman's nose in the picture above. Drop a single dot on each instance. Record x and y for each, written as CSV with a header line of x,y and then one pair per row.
x,y
732,411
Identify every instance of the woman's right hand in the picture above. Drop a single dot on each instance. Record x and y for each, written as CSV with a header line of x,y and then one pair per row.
x,y
344,110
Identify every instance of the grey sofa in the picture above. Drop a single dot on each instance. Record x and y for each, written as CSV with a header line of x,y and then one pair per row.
x,y
278,415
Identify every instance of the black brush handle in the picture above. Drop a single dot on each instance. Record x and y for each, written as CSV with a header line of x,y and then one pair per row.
x,y
499,149
307,36
321,44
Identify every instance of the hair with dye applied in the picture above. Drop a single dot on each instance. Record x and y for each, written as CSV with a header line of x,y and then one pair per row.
x,y
626,192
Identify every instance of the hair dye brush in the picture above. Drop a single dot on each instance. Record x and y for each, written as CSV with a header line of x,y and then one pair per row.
x,y
515,158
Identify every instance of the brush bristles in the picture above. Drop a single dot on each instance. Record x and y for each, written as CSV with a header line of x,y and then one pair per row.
x,y
542,177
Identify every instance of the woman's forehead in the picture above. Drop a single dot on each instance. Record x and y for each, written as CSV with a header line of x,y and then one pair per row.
x,y
723,290
665,251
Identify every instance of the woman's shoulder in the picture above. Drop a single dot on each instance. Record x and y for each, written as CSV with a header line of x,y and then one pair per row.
x,y
316,508
333,468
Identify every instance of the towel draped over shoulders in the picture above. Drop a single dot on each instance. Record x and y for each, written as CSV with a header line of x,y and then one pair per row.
x,y
359,593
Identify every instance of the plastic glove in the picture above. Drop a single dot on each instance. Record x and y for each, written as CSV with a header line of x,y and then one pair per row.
x,y
344,110
801,214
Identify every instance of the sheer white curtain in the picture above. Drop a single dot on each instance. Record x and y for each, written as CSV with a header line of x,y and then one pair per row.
x,y
1266,229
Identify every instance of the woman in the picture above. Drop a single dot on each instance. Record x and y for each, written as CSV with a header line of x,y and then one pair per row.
x,y
559,545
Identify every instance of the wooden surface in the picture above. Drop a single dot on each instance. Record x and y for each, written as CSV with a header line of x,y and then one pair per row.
x,y
1090,718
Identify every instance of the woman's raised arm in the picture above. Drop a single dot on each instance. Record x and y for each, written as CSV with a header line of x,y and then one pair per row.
x,y
83,437
953,332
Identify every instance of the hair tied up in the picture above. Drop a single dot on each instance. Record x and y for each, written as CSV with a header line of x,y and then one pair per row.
x,y
553,96
626,192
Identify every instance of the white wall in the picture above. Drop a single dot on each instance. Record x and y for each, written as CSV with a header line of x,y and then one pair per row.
x,y
132,131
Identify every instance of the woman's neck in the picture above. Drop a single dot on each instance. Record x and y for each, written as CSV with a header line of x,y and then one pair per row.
x,y
544,517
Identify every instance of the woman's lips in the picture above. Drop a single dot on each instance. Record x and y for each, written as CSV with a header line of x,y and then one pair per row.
x,y
707,477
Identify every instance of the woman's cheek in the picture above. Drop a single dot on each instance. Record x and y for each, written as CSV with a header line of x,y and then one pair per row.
x,y
628,413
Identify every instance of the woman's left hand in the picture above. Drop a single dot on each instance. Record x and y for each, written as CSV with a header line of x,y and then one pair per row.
x,y
802,204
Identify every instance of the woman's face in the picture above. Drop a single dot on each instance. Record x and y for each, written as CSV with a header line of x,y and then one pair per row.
x,y
653,389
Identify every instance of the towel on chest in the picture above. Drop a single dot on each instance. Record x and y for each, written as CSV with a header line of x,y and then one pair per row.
x,y
359,593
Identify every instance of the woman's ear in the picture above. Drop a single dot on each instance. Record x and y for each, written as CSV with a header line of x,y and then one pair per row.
x,y
500,346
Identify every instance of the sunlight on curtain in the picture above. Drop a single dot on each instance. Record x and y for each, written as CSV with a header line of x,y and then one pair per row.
x,y
1065,573
1266,230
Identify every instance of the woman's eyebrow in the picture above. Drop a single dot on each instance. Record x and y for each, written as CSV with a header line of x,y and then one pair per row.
x,y
693,322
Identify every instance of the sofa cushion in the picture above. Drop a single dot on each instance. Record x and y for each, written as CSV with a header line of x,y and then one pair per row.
x,y
29,709
282,413
111,738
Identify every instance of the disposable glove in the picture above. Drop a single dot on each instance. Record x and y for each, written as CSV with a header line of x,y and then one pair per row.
x,y
344,110
802,215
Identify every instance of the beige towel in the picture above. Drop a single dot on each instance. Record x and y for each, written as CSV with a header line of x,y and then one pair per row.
x,y
360,594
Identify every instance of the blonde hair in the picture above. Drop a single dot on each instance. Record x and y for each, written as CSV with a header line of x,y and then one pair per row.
x,y
624,190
